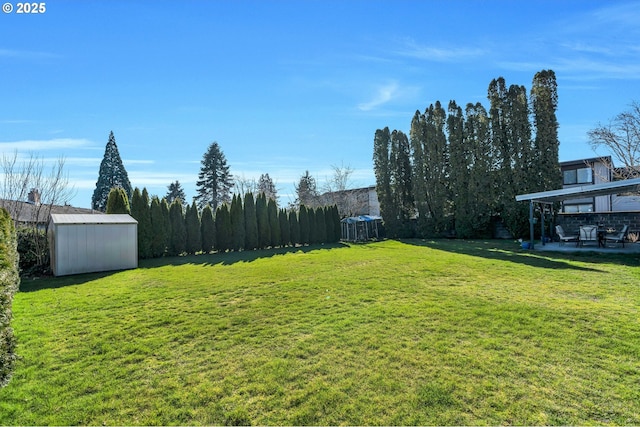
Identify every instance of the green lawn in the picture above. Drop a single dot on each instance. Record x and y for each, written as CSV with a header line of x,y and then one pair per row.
x,y
442,332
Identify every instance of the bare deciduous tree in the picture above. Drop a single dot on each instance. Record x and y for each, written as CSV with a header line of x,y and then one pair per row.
x,y
29,180
338,190
621,137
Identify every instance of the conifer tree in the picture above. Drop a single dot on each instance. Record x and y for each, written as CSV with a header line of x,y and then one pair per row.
x,y
294,227
262,216
175,191
307,191
250,222
313,229
112,174
544,101
192,225
329,224
401,181
460,156
223,228
274,224
208,230
214,180
178,240
159,229
337,225
164,207
118,202
285,229
321,227
237,224
141,212
267,187
303,219
382,169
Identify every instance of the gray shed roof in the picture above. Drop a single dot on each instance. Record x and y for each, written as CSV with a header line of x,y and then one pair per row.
x,y
627,185
93,219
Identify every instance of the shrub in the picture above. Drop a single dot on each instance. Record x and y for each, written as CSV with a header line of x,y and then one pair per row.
x,y
33,249
9,283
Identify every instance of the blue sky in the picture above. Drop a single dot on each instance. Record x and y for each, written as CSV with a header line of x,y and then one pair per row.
x,y
287,86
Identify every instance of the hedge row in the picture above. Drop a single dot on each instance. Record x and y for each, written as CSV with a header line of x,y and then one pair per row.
x,y
9,282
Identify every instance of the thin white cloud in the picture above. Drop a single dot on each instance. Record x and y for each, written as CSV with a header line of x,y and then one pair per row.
x,y
27,54
42,145
383,95
412,49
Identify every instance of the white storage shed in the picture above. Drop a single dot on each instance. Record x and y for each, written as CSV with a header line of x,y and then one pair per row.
x,y
90,243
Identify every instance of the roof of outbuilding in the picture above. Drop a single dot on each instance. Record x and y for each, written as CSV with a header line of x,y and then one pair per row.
x,y
627,185
93,219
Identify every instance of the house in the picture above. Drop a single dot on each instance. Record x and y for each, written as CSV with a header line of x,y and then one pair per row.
x,y
354,202
33,212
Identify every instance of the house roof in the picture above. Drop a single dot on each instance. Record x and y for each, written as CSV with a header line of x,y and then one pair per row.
x,y
591,190
25,212
92,219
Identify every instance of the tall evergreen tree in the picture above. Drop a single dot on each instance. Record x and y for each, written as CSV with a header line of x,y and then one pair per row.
x,y
337,225
178,239
262,217
208,230
544,101
307,191
382,170
285,229
460,157
175,191
159,228
266,186
168,232
192,225
329,224
237,223
274,223
303,219
250,222
118,202
112,174
141,212
321,226
224,233
313,230
401,181
294,227
214,180
481,182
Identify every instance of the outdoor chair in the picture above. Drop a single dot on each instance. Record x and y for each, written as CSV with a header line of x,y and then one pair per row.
x,y
563,236
588,233
620,237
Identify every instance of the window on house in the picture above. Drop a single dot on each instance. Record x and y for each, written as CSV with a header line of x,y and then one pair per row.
x,y
578,208
578,176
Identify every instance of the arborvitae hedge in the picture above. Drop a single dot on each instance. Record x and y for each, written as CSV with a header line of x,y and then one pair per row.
x,y
9,283
285,230
237,224
250,223
178,240
262,215
223,228
294,227
160,228
118,202
141,212
274,224
303,218
208,230
192,225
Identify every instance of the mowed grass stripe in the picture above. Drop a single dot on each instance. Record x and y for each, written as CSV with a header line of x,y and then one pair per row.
x,y
385,333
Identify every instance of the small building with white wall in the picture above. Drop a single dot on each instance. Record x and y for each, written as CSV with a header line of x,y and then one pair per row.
x,y
92,243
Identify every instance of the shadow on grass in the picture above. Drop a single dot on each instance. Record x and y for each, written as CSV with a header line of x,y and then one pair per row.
x,y
507,251
225,258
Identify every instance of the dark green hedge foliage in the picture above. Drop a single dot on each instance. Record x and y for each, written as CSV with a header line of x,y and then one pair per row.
x,y
9,282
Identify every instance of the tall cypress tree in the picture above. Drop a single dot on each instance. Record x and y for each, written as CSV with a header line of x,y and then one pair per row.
x,y
118,202
303,219
321,227
223,228
214,180
178,240
401,181
159,227
192,225
294,227
237,224
544,101
382,170
262,216
112,174
285,229
274,224
208,230
141,211
460,156
313,230
250,222
164,207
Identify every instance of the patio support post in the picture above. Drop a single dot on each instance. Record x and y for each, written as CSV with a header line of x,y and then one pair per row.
x,y
542,208
531,223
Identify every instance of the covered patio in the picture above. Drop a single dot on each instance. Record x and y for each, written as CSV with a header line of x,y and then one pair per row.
x,y
546,198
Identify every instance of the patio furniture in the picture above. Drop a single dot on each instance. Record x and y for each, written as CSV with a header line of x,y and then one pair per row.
x,y
620,237
588,233
563,236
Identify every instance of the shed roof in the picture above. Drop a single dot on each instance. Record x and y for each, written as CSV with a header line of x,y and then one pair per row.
x,y
93,219
603,189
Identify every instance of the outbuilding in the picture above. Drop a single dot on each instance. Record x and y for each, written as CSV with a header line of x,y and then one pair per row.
x,y
360,228
90,243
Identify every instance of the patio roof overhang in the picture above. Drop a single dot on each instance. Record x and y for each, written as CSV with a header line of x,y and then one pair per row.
x,y
624,186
